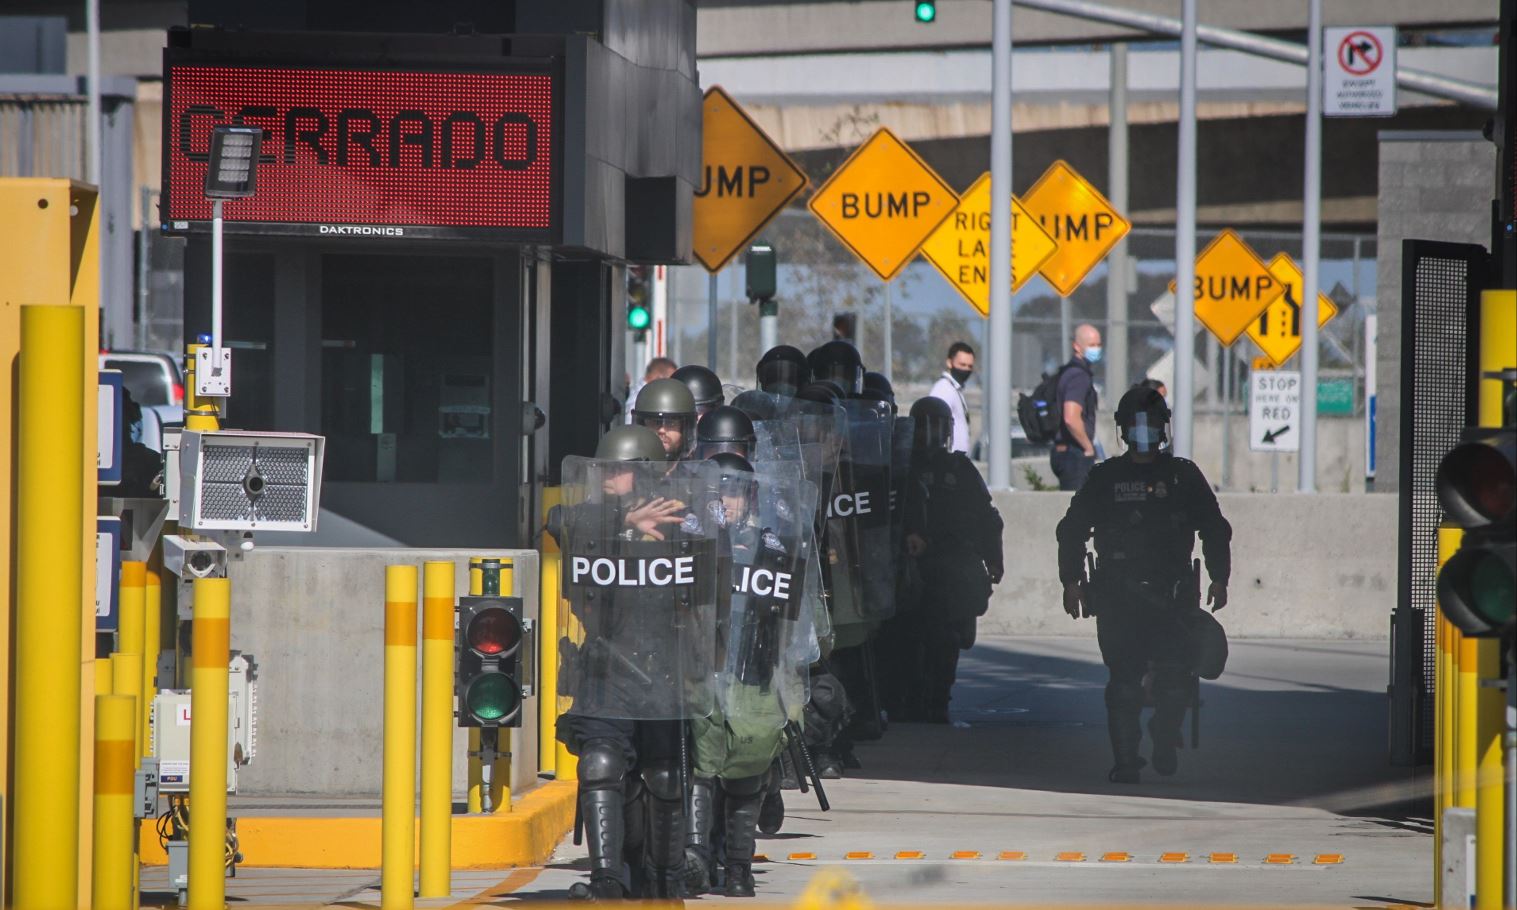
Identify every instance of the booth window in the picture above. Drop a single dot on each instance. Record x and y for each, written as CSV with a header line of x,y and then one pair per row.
x,y
406,373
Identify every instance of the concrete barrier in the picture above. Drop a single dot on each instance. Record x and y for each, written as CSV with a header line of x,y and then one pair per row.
x,y
314,620
1320,566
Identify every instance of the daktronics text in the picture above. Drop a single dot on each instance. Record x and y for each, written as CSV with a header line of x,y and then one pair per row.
x,y
370,148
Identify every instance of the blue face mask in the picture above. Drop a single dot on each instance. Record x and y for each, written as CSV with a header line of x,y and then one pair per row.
x,y
1143,436
1093,354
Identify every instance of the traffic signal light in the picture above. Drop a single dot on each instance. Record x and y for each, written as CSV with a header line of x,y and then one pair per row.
x,y
639,296
927,11
1477,487
492,642
761,270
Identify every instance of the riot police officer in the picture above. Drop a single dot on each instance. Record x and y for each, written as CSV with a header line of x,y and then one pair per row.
x,y
630,677
667,407
725,429
782,370
839,362
954,534
1145,509
704,385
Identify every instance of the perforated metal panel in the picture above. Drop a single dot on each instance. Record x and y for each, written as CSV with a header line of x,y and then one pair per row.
x,y
250,481
1440,297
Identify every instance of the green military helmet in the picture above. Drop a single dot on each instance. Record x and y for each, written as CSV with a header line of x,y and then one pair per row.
x,y
630,443
667,407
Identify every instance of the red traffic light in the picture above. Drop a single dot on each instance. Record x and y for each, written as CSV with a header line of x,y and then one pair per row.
x,y
493,632
1477,481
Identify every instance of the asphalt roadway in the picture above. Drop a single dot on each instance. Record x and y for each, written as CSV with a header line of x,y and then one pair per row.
x,y
1288,801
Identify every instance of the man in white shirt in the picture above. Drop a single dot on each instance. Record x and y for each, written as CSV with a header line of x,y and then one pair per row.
x,y
950,388
658,368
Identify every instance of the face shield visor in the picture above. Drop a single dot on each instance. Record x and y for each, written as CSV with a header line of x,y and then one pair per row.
x,y
675,431
849,378
743,447
1145,435
782,377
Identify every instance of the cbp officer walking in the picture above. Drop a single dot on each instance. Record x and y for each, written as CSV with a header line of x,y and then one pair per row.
x,y
1145,509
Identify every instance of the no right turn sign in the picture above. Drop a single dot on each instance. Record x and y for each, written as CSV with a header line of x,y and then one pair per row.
x,y
1359,71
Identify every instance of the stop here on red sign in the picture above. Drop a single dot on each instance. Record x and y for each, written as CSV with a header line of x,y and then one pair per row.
x,y
369,147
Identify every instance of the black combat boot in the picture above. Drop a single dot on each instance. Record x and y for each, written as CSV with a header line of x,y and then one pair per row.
x,y
744,801
665,849
604,829
698,836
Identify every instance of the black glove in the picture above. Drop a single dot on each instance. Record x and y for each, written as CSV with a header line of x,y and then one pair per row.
x,y
997,570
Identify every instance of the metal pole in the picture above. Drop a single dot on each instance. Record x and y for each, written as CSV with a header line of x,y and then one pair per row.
x,y
734,315
210,651
1311,254
1227,418
1066,331
437,729
889,335
769,328
216,222
1185,239
711,292
94,157
1470,94
47,645
144,251
998,374
398,809
1117,369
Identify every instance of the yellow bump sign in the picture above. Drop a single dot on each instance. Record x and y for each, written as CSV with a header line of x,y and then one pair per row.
x,y
1079,219
745,182
1233,286
960,247
883,202
1277,331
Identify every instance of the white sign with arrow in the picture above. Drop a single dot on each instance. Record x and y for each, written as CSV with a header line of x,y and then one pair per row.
x,y
1274,411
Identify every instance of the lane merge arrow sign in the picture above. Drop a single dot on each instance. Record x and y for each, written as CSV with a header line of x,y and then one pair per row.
x,y
883,202
1277,331
960,247
746,180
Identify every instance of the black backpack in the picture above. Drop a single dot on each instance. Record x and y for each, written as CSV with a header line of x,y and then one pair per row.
x,y
1039,413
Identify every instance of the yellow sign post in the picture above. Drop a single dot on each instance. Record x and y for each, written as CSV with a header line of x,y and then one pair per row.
x,y
1080,220
1277,331
1233,286
960,247
883,202
745,182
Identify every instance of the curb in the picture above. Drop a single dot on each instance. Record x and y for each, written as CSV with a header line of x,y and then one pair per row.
x,y
525,836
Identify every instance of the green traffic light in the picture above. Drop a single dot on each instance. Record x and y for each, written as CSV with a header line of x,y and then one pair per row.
x,y
1493,590
927,11
638,318
492,697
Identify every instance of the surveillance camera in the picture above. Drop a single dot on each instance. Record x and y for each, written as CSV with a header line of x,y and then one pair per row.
x,y
190,559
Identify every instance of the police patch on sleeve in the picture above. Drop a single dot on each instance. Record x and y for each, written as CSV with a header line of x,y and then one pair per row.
x,y
691,524
772,541
718,512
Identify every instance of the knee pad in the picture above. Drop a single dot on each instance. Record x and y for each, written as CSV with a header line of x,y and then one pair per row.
x,y
602,766
662,780
744,787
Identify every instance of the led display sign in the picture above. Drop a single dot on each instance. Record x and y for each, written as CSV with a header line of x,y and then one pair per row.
x,y
370,153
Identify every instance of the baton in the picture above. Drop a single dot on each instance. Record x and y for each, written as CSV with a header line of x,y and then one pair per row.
x,y
816,781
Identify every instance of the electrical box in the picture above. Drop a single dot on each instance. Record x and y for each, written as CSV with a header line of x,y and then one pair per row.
x,y
172,724
233,480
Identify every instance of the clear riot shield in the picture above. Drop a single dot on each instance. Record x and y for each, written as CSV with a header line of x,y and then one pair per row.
x,y
900,474
766,638
640,577
859,535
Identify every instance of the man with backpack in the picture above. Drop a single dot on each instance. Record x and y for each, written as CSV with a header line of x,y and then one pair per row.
x,y
1074,445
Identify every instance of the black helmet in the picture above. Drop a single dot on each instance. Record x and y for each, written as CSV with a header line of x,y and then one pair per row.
x,y
704,384
783,370
725,429
878,388
933,423
824,392
1142,417
838,361
630,443
667,405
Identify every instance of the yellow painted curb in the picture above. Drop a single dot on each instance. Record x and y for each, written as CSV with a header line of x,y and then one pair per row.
x,y
525,836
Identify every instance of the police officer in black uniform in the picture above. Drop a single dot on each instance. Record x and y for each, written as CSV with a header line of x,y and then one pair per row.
x,y
953,531
1145,509
725,429
782,370
704,384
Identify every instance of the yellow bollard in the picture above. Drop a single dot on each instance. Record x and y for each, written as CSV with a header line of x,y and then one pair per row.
x,y
152,647
115,834
476,798
1468,695
131,629
437,729
1440,786
49,561
126,677
552,758
210,647
103,676
199,413
398,812
500,772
